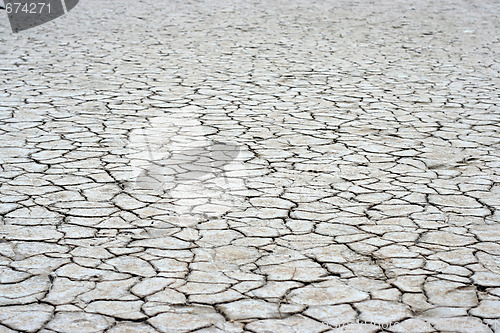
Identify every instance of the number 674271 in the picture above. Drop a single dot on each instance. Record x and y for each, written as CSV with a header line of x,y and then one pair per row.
x,y
31,8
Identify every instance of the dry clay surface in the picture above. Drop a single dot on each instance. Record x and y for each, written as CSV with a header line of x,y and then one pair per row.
x,y
252,166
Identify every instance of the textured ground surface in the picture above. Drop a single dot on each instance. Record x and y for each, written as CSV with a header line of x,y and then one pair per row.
x,y
241,166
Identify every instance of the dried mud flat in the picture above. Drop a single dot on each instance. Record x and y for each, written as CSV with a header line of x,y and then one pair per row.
x,y
252,166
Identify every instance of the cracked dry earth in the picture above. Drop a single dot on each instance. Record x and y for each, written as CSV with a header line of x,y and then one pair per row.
x,y
363,195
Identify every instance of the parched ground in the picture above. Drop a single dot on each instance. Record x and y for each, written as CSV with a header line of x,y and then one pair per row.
x,y
252,166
